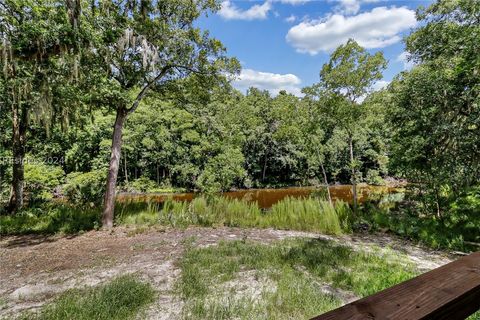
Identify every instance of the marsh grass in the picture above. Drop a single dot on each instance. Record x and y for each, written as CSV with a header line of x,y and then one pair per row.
x,y
49,219
292,273
122,298
309,214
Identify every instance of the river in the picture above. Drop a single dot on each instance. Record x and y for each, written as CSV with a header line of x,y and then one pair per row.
x,y
268,197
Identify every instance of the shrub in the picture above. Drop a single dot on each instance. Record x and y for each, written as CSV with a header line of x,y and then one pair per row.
x,y
41,180
222,171
373,178
84,188
143,184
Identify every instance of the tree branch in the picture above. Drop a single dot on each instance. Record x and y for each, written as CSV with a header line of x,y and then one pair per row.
x,y
145,89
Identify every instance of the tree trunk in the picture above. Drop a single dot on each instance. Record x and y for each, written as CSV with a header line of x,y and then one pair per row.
x,y
264,171
325,180
354,182
19,119
109,200
125,168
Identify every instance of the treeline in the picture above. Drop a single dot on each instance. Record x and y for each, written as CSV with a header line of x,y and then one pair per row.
x,y
238,141
176,121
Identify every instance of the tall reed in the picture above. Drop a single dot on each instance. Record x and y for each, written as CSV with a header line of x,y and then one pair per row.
x,y
308,214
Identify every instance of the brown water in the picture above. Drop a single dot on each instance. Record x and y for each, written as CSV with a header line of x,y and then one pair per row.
x,y
268,197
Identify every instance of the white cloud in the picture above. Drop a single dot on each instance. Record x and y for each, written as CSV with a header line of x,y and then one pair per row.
x,y
379,85
403,58
351,6
378,28
272,82
230,11
293,2
291,19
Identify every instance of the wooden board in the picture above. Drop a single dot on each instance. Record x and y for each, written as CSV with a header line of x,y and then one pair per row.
x,y
449,292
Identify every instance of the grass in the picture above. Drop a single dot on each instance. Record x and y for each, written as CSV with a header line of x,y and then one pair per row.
x,y
450,233
281,281
310,214
49,219
122,298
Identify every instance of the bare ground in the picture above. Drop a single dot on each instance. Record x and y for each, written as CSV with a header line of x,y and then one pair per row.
x,y
34,269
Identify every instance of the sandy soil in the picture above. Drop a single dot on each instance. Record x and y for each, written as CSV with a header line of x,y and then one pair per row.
x,y
34,269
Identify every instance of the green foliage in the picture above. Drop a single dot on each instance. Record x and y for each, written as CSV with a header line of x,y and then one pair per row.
x,y
222,171
192,130
435,107
373,178
209,212
142,184
298,214
344,80
454,230
41,180
122,298
308,214
50,219
85,188
289,275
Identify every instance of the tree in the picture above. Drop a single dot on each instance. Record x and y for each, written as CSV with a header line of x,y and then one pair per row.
x,y
39,42
144,46
344,81
435,107
314,139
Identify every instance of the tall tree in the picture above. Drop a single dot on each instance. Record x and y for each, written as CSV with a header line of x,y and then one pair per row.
x,y
344,81
435,107
36,38
315,144
146,46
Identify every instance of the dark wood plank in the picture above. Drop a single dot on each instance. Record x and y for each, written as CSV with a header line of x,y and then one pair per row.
x,y
449,292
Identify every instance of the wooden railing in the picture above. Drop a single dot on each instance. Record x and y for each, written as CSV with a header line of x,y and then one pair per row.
x,y
449,292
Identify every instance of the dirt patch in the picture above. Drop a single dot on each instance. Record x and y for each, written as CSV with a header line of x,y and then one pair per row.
x,y
35,269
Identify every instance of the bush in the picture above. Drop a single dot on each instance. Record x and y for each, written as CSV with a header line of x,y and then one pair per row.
x,y
146,185
373,178
222,172
142,184
85,188
41,180
457,226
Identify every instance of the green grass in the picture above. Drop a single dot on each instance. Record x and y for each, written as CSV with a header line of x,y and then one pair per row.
x,y
292,273
449,233
310,214
50,219
123,298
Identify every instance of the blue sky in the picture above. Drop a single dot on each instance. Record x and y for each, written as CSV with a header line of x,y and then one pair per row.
x,y
282,44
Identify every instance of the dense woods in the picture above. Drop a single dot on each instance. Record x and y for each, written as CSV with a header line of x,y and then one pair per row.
x,y
105,96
